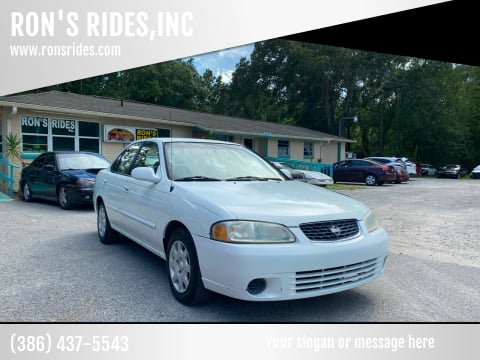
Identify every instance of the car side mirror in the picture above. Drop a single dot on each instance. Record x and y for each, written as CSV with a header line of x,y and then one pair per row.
x,y
145,174
49,167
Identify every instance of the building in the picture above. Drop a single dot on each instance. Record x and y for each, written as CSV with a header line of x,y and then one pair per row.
x,y
65,121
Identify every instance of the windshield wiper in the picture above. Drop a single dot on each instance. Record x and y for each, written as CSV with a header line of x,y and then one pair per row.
x,y
197,178
251,178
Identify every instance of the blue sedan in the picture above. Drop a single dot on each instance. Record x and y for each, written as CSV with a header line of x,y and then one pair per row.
x,y
67,177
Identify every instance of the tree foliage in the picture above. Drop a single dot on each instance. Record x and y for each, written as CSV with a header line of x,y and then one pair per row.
x,y
426,110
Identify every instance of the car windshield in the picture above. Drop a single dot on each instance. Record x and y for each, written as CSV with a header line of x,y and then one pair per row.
x,y
451,167
81,161
197,161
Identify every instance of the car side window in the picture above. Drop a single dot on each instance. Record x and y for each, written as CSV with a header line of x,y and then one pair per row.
x,y
354,163
342,165
147,156
38,162
50,162
360,163
123,164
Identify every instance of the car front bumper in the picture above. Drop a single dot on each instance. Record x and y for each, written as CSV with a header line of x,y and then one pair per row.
x,y
320,182
448,175
291,271
79,196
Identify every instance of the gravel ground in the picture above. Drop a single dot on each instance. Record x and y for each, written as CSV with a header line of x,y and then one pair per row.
x,y
53,268
436,219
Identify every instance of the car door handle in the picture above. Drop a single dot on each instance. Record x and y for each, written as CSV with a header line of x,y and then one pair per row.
x,y
126,188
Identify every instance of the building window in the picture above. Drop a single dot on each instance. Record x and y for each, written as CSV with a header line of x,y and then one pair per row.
x,y
40,134
63,143
308,150
163,133
88,136
63,134
222,137
34,134
283,148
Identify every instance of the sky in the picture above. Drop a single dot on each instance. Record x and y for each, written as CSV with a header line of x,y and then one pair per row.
x,y
222,62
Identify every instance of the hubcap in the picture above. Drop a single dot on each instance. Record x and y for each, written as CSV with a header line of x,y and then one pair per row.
x,y
179,265
26,192
102,221
370,180
63,196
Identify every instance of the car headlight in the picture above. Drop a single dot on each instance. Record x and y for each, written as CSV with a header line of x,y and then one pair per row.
x,y
85,182
371,222
251,232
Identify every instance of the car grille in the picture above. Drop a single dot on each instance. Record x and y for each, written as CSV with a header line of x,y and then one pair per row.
x,y
325,279
331,230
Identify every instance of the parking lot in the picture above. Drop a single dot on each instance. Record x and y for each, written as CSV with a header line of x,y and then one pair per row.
x,y
54,268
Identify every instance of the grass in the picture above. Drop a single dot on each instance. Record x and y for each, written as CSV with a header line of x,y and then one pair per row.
x,y
344,187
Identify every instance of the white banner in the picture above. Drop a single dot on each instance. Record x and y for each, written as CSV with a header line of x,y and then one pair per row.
x,y
240,341
53,41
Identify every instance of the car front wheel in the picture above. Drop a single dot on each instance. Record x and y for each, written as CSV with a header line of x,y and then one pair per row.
x,y
63,198
183,270
371,180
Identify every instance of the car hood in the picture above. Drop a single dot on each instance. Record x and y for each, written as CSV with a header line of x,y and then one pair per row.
x,y
82,173
286,202
315,175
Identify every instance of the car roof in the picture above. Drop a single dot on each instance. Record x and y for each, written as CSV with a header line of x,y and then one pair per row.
x,y
190,140
391,158
365,159
67,152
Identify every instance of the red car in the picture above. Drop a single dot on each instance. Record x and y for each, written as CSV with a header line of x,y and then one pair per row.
x,y
401,172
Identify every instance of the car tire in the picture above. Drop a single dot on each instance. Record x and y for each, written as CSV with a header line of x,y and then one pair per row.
x,y
27,193
183,269
63,198
105,232
370,180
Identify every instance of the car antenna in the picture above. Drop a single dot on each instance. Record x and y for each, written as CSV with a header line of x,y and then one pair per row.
x,y
171,152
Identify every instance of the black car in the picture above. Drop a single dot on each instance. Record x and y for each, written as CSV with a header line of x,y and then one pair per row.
x,y
452,171
363,171
67,177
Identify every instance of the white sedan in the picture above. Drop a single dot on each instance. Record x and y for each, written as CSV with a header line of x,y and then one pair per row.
x,y
310,177
225,220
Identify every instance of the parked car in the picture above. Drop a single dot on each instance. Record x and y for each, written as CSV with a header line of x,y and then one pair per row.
x,y
452,171
363,171
475,174
401,173
289,172
428,170
67,177
311,177
227,221
411,166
